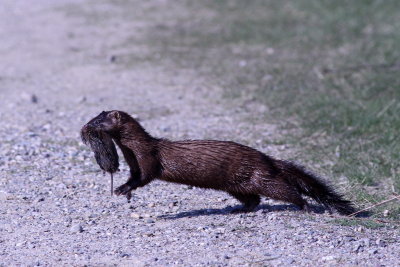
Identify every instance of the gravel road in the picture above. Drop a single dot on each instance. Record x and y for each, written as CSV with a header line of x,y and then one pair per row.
x,y
60,67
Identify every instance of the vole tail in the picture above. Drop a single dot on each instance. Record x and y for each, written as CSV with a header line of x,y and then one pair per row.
x,y
311,185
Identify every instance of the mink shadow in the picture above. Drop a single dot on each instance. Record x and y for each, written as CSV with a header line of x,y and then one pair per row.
x,y
228,211
264,207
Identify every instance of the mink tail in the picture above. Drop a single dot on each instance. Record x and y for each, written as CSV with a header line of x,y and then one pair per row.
x,y
311,185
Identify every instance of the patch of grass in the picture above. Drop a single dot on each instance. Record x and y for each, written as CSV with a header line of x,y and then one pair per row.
x,y
332,66
370,224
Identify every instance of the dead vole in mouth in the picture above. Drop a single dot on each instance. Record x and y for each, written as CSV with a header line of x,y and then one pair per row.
x,y
103,147
242,171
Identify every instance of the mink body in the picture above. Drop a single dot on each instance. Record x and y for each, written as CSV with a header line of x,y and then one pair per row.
x,y
239,170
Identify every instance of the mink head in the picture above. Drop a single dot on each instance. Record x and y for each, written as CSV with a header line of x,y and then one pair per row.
x,y
107,121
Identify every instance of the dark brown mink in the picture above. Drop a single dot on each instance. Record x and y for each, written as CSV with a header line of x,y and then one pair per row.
x,y
239,170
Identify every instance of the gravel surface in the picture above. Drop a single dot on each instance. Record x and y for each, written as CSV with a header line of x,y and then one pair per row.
x,y
58,69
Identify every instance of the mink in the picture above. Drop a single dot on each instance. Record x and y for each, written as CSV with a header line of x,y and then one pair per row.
x,y
243,172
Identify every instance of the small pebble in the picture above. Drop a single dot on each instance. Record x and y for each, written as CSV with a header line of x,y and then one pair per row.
x,y
373,251
82,99
328,258
288,261
386,213
380,243
113,58
40,199
136,216
34,99
76,228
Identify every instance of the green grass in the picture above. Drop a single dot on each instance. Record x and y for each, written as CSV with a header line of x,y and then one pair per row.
x,y
369,224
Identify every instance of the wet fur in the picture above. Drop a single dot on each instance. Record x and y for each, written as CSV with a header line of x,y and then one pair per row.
x,y
241,171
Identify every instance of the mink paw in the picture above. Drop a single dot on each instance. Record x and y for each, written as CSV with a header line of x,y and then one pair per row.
x,y
124,189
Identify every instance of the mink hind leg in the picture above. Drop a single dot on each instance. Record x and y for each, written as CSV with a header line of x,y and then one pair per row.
x,y
250,202
286,193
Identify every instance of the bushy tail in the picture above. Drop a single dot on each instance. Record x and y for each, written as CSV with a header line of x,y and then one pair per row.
x,y
311,185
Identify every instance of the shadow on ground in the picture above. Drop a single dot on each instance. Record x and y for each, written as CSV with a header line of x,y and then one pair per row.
x,y
228,210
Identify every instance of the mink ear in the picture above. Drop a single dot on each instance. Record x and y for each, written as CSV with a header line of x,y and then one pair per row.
x,y
116,115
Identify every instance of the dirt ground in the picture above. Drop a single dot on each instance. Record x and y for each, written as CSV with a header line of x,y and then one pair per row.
x,y
59,67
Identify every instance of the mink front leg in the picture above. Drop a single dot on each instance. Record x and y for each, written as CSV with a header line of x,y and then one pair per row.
x,y
132,183
135,180
126,189
149,170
